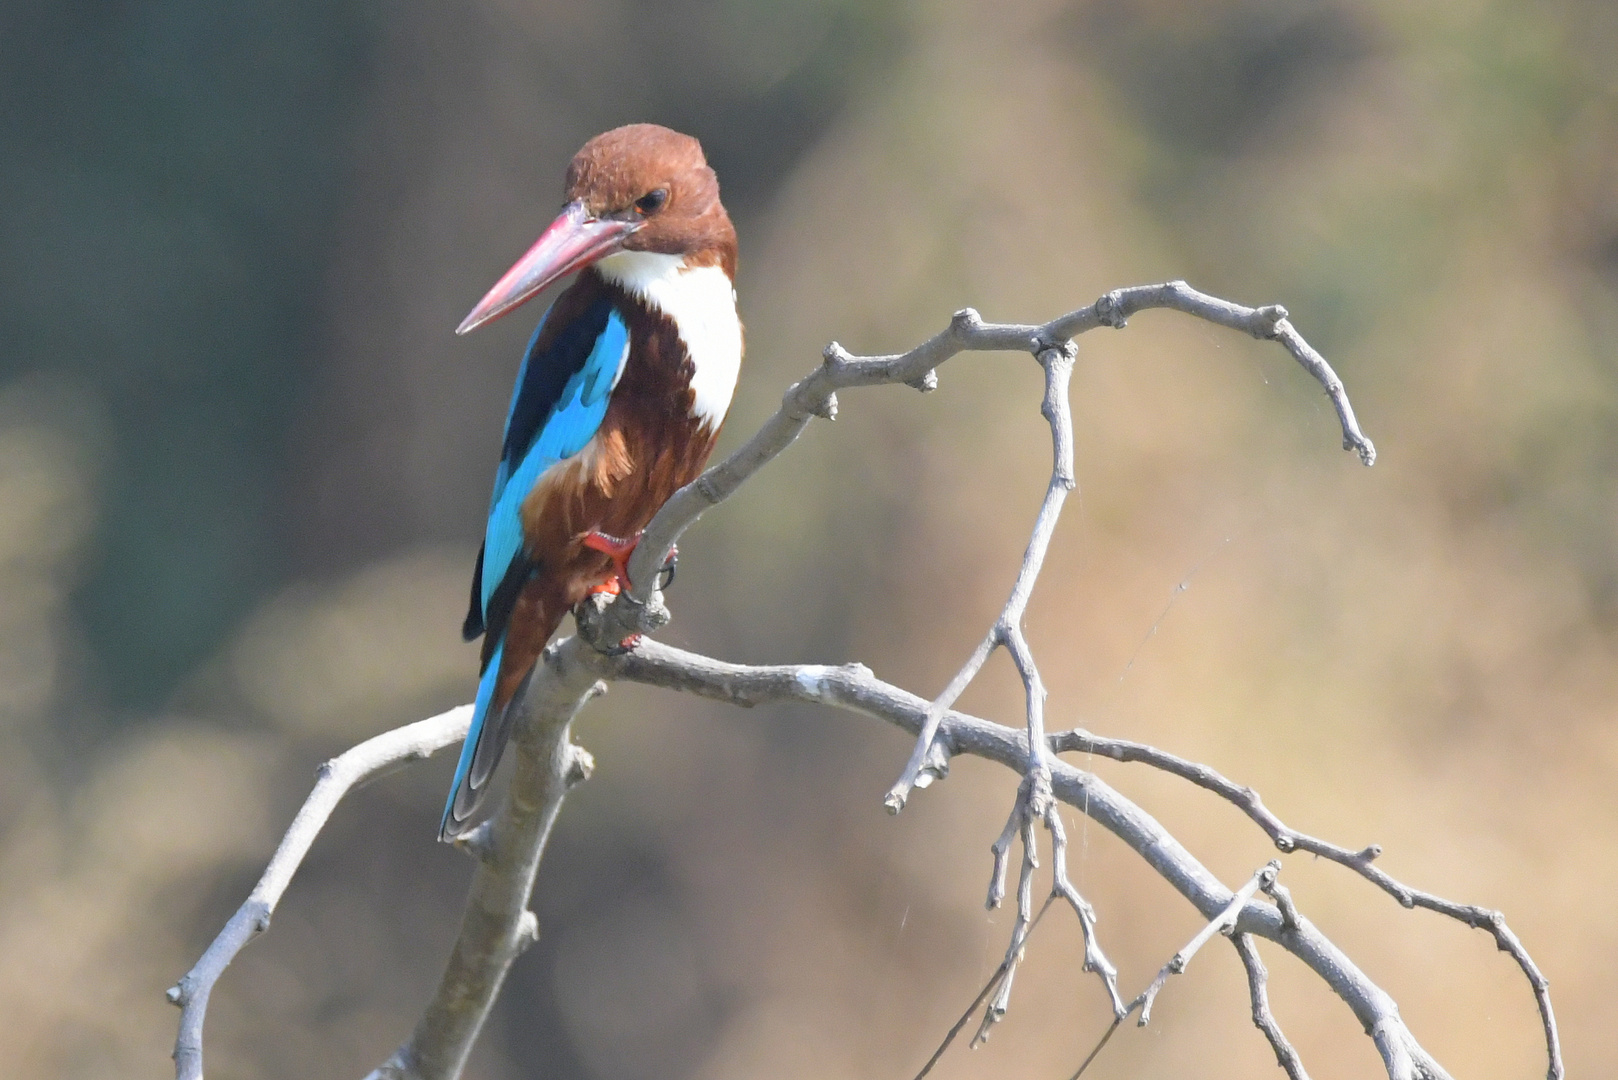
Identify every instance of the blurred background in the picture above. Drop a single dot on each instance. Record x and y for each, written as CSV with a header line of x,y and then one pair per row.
x,y
244,464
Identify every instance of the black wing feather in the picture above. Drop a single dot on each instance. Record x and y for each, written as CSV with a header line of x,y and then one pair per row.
x,y
547,367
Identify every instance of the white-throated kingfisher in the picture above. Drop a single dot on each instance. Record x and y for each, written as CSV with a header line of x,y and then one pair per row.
x,y
617,404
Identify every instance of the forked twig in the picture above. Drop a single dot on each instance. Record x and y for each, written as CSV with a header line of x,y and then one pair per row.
x,y
1362,861
1223,923
853,687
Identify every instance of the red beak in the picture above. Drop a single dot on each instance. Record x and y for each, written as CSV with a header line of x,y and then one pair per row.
x,y
571,242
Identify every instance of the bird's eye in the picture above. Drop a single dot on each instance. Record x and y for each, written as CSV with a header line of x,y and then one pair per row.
x,y
651,202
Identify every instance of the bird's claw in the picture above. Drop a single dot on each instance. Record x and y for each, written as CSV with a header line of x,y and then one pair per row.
x,y
624,647
615,548
619,551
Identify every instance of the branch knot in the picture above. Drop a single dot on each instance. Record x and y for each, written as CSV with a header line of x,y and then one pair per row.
x,y
964,323
1270,319
580,763
1110,309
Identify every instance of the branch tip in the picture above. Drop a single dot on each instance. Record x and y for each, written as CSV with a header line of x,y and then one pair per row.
x,y
580,765
936,764
527,932
926,382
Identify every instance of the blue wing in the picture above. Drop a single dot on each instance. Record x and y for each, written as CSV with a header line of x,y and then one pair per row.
x,y
571,421
560,400
557,405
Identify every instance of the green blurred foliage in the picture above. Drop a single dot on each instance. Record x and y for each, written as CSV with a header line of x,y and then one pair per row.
x,y
173,172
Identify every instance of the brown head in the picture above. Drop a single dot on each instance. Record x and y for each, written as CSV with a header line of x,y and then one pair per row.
x,y
637,188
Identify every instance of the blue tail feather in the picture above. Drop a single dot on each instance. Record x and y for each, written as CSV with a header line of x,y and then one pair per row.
x,y
448,826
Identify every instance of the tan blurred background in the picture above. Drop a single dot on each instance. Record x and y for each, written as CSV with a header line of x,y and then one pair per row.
x,y
243,464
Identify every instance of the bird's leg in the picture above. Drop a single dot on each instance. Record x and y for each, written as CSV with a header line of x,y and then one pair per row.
x,y
616,549
619,551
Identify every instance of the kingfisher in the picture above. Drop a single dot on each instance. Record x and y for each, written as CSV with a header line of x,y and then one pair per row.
x,y
618,402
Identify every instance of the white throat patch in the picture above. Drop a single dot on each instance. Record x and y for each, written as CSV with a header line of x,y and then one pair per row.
x,y
702,303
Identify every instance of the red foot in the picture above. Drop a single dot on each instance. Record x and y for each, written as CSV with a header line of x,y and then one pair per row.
x,y
615,549
619,552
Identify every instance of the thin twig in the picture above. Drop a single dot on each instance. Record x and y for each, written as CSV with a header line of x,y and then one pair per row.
x,y
1117,1022
1034,806
1263,1018
1223,923
336,778
988,988
1094,959
1025,910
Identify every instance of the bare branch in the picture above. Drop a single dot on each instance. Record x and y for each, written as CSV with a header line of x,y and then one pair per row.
x,y
815,395
1263,1019
854,688
1034,806
1024,921
335,779
1287,839
497,926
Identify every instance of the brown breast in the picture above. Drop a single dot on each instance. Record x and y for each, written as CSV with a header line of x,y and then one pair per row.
x,y
648,447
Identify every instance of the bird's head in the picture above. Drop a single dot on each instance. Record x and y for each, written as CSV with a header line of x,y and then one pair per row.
x,y
635,188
